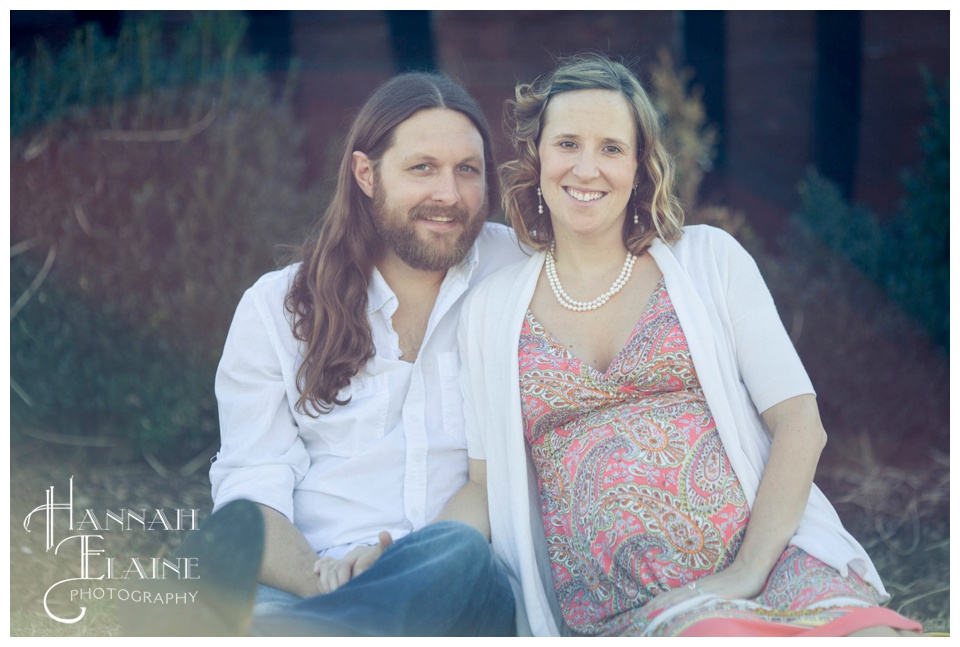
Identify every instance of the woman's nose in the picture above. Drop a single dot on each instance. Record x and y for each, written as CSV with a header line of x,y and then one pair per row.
x,y
586,166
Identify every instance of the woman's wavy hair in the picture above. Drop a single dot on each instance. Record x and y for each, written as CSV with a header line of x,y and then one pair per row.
x,y
328,297
655,199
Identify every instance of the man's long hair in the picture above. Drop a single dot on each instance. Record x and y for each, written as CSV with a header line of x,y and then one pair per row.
x,y
328,297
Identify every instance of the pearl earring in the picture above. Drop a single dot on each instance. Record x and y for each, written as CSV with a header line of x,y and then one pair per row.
x,y
539,202
636,213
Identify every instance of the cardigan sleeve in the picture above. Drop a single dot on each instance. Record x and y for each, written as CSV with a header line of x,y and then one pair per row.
x,y
769,364
471,372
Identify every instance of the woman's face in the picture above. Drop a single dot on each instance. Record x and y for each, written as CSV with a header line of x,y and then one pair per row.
x,y
588,162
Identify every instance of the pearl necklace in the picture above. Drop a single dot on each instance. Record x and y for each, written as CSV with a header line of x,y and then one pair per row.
x,y
582,306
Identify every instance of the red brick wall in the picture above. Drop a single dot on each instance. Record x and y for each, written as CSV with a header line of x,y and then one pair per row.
x,y
769,89
491,51
895,45
770,67
344,55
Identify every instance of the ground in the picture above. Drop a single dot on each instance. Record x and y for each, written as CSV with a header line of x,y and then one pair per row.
x,y
883,393
900,516
35,467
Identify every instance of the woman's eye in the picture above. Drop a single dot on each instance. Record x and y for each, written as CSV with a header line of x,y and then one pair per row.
x,y
567,144
466,168
612,149
421,167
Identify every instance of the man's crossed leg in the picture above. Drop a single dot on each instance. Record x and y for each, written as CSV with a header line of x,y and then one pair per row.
x,y
441,580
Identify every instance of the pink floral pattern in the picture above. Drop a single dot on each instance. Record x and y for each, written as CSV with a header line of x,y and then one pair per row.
x,y
637,494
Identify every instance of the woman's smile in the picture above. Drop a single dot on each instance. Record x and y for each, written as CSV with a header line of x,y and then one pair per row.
x,y
588,161
584,196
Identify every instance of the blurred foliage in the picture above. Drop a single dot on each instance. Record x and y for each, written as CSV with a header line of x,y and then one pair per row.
x,y
908,254
148,54
151,178
688,136
692,141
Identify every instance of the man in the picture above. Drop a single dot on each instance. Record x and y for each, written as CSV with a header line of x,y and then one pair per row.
x,y
338,389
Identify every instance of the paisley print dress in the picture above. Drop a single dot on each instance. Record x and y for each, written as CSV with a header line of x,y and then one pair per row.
x,y
638,496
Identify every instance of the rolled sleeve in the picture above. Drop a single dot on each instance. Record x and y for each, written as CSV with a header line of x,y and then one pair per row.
x,y
261,457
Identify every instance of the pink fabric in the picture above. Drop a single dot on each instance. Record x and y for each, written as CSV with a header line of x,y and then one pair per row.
x,y
851,621
637,494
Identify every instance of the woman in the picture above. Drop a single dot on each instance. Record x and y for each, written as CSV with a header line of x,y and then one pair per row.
x,y
644,426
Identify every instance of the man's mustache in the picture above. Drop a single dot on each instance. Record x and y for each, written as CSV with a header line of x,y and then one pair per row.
x,y
456,214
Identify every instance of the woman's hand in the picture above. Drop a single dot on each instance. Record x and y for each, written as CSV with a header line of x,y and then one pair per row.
x,y
334,573
735,582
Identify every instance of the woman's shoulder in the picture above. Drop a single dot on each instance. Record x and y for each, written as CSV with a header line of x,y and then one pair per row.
x,y
705,235
698,243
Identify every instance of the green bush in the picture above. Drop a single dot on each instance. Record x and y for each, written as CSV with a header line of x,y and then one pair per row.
x,y
157,172
849,229
921,279
908,255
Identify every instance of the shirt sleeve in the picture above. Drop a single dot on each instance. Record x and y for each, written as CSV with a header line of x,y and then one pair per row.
x,y
769,364
261,457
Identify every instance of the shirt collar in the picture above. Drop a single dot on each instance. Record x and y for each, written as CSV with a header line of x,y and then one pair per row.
x,y
379,293
468,264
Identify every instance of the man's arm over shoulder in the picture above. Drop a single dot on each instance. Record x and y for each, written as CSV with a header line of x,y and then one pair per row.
x,y
498,247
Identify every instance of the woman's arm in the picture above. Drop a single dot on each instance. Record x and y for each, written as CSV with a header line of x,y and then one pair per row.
x,y
469,504
798,439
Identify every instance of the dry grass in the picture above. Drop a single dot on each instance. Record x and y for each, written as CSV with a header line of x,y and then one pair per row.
x,y
901,517
98,485
884,398
883,392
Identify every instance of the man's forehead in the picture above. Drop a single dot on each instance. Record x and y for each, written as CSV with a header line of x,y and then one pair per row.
x,y
437,131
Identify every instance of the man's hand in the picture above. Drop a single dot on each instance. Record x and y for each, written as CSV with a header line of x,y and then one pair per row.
x,y
334,573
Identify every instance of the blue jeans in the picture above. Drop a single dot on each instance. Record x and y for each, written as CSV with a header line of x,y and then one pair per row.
x,y
441,580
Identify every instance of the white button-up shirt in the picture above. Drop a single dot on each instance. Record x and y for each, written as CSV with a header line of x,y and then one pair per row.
x,y
391,458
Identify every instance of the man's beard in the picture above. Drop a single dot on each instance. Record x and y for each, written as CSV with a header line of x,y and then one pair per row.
x,y
437,254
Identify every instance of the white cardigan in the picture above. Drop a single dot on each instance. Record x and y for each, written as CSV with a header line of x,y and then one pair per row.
x,y
745,363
